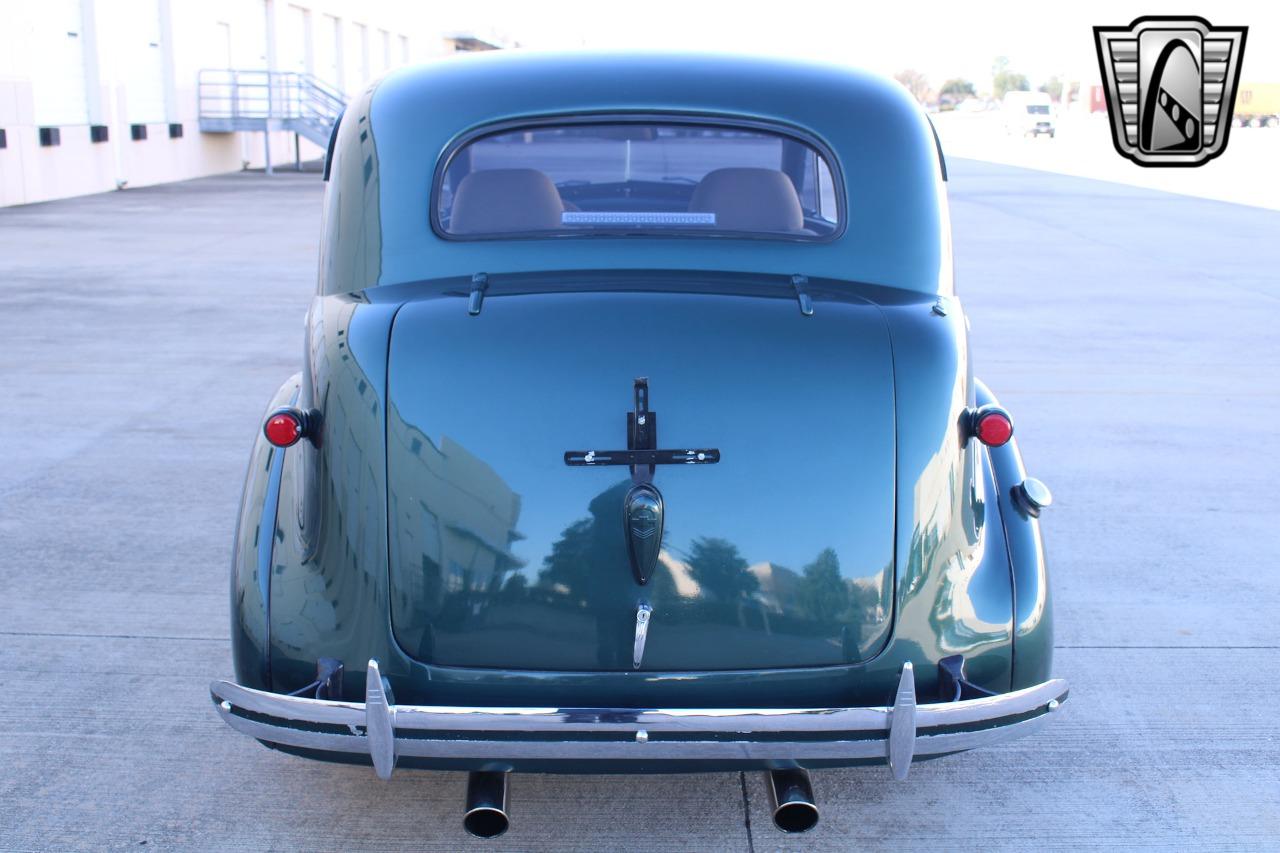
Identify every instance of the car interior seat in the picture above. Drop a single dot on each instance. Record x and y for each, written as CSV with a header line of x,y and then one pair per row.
x,y
749,199
493,201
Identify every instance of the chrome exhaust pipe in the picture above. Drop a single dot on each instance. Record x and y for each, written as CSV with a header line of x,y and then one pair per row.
x,y
791,796
486,815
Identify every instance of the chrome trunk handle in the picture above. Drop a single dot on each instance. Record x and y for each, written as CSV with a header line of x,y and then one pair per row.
x,y
643,612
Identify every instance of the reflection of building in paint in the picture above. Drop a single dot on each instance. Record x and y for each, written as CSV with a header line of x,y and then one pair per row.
x,y
822,598
467,514
334,489
683,581
777,585
948,548
944,497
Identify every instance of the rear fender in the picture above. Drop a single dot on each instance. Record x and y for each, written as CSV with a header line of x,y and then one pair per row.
x,y
1032,610
251,557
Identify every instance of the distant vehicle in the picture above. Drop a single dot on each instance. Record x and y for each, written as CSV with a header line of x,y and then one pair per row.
x,y
469,542
1028,114
1257,105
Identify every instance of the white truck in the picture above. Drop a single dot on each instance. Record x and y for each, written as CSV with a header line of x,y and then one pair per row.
x,y
1028,114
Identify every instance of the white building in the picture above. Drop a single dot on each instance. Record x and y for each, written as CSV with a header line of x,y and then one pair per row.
x,y
101,94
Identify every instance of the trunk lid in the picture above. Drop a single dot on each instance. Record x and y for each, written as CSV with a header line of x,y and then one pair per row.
x,y
502,555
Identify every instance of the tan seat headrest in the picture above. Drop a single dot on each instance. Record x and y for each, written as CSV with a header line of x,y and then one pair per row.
x,y
495,201
749,199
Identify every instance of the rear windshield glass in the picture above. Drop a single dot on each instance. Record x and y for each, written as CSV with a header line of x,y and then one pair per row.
x,y
638,178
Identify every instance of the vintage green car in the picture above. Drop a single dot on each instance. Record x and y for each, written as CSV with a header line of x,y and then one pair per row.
x,y
636,431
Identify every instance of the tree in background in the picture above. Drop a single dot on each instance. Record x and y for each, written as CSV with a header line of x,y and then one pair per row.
x,y
957,89
1053,89
1003,80
917,84
718,567
823,593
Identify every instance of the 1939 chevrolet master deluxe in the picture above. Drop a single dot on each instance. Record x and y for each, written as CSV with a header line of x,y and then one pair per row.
x,y
636,431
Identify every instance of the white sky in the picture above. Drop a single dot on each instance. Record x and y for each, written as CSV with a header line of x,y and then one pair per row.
x,y
941,39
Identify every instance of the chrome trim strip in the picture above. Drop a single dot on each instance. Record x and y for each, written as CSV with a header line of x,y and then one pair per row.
x,y
990,707
452,718
377,727
902,724
631,750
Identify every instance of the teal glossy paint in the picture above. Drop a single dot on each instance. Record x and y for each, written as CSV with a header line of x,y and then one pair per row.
x,y
378,230
251,554
1033,607
781,555
951,588
439,478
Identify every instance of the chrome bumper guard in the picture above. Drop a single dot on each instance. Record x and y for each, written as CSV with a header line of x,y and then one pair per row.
x,y
385,731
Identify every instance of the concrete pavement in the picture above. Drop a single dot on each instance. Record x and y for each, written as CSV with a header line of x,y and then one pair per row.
x,y
1246,173
1131,333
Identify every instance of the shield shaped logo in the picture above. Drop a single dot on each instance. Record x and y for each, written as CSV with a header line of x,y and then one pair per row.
x,y
1170,85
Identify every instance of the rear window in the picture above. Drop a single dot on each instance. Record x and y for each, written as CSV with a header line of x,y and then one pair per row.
x,y
612,178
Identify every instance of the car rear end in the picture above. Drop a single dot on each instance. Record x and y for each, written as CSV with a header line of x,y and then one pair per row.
x,y
637,437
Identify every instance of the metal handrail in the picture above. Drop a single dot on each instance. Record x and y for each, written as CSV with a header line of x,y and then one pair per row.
x,y
259,99
237,99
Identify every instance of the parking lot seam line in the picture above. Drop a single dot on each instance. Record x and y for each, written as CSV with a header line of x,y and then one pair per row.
x,y
1177,647
113,636
746,811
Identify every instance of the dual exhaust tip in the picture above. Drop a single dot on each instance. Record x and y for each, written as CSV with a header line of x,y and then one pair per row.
x,y
790,798
487,792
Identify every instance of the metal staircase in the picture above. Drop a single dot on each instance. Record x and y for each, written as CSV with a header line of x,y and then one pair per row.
x,y
236,100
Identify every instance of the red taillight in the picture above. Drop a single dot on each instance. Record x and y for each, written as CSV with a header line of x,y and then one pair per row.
x,y
992,426
283,429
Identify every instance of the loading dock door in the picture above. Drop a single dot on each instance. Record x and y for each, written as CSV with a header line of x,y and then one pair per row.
x,y
143,62
293,47
57,65
329,51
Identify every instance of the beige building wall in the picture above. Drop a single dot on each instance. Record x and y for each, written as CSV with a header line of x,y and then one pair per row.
x,y
70,65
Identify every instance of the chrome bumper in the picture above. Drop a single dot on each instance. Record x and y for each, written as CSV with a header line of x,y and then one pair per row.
x,y
386,732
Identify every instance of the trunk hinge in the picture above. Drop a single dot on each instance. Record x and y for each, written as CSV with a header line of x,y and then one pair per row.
x,y
800,283
479,284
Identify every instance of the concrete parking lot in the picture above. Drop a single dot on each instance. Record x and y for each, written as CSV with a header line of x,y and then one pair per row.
x,y
1083,147
1132,334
